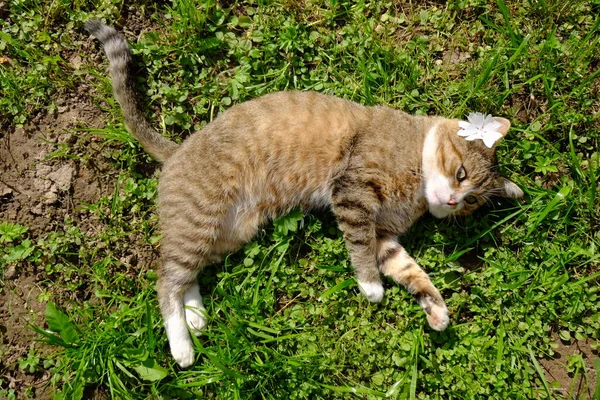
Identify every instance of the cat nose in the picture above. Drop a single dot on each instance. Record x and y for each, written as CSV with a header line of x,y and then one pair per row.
x,y
452,201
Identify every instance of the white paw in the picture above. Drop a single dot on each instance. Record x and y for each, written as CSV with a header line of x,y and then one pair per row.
x,y
183,352
195,313
372,291
437,315
194,316
180,342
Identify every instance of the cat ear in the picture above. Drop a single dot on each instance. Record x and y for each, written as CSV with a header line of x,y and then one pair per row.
x,y
506,188
504,125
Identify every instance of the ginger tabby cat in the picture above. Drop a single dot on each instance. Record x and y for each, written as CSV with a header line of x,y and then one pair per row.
x,y
377,168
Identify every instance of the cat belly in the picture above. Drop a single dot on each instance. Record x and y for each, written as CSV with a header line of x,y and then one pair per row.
x,y
251,210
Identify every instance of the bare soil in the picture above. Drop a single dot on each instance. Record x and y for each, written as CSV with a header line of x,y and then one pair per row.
x,y
40,187
572,387
39,191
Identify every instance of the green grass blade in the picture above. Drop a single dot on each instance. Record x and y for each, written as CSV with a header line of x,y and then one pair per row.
x,y
540,372
263,328
594,167
149,329
597,368
575,165
282,338
259,334
551,206
413,379
340,286
395,388
518,51
514,37
499,346
586,81
200,382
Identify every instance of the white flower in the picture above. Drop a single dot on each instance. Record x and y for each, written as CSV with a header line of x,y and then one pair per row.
x,y
480,126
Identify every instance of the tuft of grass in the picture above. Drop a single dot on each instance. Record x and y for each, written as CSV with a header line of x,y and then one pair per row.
x,y
286,317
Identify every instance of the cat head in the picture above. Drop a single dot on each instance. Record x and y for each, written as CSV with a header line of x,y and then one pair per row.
x,y
460,172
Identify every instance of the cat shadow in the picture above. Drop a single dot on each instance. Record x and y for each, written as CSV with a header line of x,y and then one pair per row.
x,y
446,339
453,236
468,234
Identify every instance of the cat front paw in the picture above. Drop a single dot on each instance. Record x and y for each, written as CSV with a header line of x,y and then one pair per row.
x,y
438,319
437,312
372,291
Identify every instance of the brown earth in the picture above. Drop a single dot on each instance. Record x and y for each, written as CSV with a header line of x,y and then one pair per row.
x,y
39,191
39,188
579,386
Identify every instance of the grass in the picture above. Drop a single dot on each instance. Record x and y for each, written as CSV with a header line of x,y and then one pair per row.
x,y
286,318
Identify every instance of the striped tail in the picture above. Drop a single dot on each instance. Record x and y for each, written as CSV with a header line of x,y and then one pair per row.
x,y
119,57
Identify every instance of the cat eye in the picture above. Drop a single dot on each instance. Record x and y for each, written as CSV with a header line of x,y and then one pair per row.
x,y
470,199
461,174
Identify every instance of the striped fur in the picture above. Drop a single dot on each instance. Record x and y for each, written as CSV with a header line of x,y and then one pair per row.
x,y
117,51
379,170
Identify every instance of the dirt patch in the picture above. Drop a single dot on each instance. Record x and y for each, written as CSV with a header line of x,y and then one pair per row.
x,y
19,309
579,386
49,169
38,191
39,188
38,185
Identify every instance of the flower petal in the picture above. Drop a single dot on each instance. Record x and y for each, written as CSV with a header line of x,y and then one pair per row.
x,y
469,131
464,124
476,135
492,126
489,138
476,119
487,119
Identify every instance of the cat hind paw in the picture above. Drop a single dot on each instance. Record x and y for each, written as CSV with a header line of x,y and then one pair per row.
x,y
183,353
196,319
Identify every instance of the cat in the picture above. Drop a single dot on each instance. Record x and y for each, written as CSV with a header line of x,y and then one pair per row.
x,y
378,169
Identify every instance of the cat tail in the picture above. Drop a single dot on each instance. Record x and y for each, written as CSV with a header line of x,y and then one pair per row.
x,y
119,57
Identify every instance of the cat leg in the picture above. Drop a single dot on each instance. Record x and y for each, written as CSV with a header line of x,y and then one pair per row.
x,y
191,220
174,283
236,229
195,313
354,206
395,262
